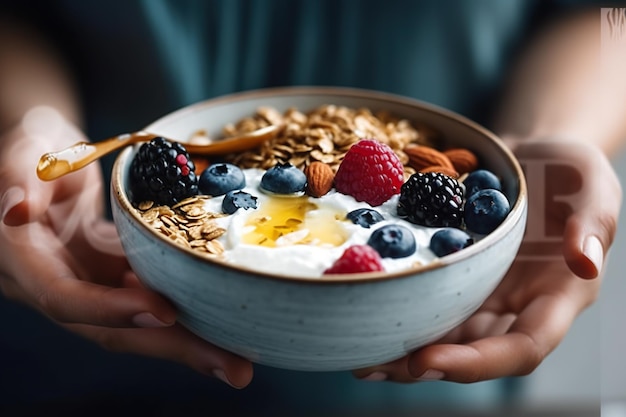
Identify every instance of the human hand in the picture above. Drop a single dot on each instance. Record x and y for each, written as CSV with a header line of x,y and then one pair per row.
x,y
534,306
62,258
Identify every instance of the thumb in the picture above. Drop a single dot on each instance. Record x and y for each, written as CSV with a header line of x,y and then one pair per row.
x,y
23,196
590,227
590,230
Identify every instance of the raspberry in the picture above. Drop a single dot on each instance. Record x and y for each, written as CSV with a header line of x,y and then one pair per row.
x,y
370,172
357,258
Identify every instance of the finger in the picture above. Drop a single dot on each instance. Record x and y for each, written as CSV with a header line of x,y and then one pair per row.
x,y
480,325
176,344
105,306
590,229
536,333
55,290
396,371
23,196
98,243
588,237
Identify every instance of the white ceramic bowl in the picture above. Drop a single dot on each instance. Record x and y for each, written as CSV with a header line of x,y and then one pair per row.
x,y
316,324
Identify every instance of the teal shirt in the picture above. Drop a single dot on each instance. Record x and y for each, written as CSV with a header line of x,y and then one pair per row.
x,y
138,60
154,56
447,52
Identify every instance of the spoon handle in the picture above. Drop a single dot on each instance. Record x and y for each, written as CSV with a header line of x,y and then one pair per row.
x,y
53,165
233,144
56,164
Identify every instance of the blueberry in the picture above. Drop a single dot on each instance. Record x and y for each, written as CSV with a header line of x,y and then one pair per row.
x,y
449,240
481,179
365,217
283,179
485,210
393,241
234,200
218,179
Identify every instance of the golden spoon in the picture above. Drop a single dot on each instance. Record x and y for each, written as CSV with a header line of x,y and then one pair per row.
x,y
53,165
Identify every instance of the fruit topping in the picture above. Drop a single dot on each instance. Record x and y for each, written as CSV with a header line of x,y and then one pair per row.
x,y
449,240
357,258
235,199
450,172
162,172
421,157
393,241
365,217
319,179
284,179
481,179
370,171
463,160
218,179
485,210
431,199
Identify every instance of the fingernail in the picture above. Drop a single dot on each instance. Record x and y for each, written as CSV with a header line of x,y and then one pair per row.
x,y
431,375
11,198
221,375
148,320
375,376
592,249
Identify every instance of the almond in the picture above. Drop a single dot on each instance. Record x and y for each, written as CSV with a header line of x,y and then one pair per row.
x,y
462,159
450,172
421,157
320,178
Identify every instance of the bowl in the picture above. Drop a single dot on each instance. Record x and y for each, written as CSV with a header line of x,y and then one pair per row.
x,y
313,324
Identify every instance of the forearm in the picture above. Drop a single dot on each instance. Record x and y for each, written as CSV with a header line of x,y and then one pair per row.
x,y
32,74
566,87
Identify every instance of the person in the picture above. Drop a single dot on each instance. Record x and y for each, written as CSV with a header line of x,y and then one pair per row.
x,y
70,70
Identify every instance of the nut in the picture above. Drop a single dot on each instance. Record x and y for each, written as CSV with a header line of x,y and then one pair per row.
x,y
421,157
462,159
319,177
450,172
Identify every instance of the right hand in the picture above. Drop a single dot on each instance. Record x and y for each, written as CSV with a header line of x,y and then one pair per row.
x,y
61,257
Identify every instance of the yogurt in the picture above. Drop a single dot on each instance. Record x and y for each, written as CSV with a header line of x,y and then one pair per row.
x,y
305,235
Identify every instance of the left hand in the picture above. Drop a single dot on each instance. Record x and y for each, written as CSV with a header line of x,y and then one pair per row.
x,y
532,309
62,258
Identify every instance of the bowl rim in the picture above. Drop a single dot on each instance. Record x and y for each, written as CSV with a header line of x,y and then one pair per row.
x,y
518,208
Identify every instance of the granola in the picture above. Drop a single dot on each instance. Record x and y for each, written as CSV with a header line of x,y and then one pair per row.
x,y
187,223
324,134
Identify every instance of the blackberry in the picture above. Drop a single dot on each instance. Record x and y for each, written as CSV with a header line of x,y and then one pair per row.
x,y
431,199
162,172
